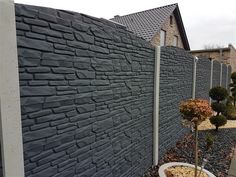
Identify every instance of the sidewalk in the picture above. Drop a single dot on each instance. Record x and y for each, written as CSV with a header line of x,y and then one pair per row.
x,y
232,170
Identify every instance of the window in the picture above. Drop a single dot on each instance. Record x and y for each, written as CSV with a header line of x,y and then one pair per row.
x,y
162,38
175,41
171,20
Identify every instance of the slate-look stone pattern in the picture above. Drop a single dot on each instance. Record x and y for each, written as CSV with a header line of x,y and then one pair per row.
x,y
176,78
229,75
175,85
86,95
216,74
224,75
203,75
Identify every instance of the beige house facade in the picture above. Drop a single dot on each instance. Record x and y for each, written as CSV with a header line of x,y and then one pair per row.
x,y
172,36
226,55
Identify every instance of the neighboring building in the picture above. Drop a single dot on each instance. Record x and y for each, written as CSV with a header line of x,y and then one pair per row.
x,y
226,55
161,26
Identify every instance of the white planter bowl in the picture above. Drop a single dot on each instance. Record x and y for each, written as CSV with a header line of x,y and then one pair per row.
x,y
162,169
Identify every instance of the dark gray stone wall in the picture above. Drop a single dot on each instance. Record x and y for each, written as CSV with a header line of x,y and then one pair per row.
x,y
203,75
86,89
87,94
229,75
175,85
216,74
224,75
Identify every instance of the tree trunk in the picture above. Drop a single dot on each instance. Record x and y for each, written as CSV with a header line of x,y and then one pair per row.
x,y
217,128
196,149
218,113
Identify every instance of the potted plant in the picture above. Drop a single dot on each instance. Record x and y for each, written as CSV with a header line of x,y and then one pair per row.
x,y
193,111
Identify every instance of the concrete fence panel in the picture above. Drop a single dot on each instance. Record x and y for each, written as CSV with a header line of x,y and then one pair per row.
x,y
203,78
216,74
175,85
224,75
86,95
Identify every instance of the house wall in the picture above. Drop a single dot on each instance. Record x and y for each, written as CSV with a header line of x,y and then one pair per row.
x,y
233,59
171,31
229,56
215,55
86,95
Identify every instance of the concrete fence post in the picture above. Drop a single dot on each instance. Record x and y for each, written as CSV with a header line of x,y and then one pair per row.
x,y
221,72
156,105
194,77
10,114
211,76
227,78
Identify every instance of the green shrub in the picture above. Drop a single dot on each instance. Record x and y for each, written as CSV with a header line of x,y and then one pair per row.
x,y
232,84
218,107
229,101
218,121
209,141
233,75
218,93
230,112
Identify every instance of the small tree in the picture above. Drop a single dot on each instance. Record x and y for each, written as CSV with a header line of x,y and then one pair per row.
x,y
195,111
218,94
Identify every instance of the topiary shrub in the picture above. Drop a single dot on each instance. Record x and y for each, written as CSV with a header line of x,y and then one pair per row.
x,y
195,111
230,112
233,87
218,107
218,93
233,75
218,120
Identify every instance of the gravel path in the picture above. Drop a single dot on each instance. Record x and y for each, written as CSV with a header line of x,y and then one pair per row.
x,y
219,156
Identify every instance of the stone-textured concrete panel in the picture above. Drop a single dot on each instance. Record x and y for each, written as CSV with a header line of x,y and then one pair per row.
x,y
175,85
203,78
86,95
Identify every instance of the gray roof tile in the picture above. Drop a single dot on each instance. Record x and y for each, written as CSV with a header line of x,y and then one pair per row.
x,y
146,23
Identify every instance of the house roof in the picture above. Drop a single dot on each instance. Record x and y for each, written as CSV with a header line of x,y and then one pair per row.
x,y
230,47
211,50
149,22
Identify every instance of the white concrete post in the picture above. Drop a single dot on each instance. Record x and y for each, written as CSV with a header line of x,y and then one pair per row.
x,y
156,106
227,77
10,114
194,77
211,76
221,64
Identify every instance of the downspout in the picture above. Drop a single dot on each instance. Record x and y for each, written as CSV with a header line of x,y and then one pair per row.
x,y
221,64
156,105
194,76
227,77
211,77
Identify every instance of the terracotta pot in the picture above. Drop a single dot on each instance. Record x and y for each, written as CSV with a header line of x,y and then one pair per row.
x,y
162,169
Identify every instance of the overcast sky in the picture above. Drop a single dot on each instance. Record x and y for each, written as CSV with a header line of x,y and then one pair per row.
x,y
207,22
